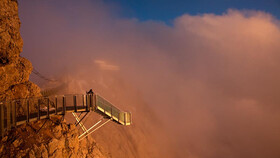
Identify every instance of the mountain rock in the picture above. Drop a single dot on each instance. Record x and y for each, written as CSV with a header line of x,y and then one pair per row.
x,y
49,138
14,69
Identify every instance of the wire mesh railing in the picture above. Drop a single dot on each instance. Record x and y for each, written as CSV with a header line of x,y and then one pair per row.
x,y
109,109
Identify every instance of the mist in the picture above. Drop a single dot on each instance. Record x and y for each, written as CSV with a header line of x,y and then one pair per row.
x,y
205,86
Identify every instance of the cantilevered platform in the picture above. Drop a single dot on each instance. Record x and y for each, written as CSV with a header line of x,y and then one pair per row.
x,y
16,112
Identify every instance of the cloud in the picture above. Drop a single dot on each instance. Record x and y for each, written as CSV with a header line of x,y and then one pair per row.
x,y
105,66
205,87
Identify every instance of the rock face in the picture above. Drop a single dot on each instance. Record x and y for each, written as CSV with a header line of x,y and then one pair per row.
x,y
44,138
48,138
14,70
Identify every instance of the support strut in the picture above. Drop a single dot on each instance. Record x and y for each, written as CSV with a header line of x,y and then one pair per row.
x,y
81,137
79,122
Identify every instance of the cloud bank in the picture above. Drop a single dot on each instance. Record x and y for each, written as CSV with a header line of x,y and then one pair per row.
x,y
207,86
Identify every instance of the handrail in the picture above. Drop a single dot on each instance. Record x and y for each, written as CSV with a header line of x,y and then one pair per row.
x,y
19,111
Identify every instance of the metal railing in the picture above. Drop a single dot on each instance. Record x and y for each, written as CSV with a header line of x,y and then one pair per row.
x,y
110,110
19,111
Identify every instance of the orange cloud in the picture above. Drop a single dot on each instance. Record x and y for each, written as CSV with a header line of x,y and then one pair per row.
x,y
105,66
207,86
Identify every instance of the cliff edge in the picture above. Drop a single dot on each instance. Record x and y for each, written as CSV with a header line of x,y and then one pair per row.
x,y
49,138
43,138
14,69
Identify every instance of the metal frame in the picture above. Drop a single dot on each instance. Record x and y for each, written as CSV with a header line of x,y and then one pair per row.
x,y
81,137
89,103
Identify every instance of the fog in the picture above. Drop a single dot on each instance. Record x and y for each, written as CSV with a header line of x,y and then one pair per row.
x,y
205,86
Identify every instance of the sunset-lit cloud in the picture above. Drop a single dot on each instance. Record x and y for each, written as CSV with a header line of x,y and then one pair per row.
x,y
206,86
105,66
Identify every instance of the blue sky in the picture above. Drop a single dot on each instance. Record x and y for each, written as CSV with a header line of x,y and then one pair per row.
x,y
167,10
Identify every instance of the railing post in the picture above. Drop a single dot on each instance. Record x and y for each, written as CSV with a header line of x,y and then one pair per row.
x,y
95,102
2,119
14,113
39,102
87,103
8,116
64,105
90,102
75,103
95,97
55,105
124,121
130,118
28,117
83,98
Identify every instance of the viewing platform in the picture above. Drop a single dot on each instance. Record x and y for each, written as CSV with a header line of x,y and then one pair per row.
x,y
20,111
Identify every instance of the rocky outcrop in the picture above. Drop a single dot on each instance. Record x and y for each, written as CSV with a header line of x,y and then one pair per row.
x,y
44,138
14,70
48,138
11,41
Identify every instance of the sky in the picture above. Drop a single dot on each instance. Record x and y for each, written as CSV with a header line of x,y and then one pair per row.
x,y
167,10
201,82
